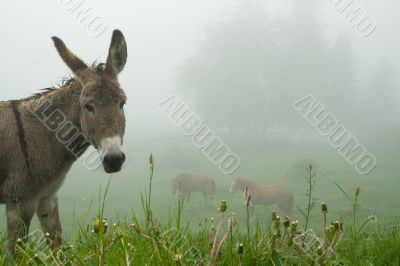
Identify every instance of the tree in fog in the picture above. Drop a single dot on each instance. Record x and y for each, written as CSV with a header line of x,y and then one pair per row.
x,y
226,77
250,68
340,90
381,108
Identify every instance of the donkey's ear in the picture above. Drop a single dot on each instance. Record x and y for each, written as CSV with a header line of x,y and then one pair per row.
x,y
117,54
80,69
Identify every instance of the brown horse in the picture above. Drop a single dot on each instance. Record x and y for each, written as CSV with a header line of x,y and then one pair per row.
x,y
186,184
263,195
43,135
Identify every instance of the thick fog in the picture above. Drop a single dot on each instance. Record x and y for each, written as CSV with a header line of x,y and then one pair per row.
x,y
239,66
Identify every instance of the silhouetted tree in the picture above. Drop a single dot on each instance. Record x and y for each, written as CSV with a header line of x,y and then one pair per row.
x,y
250,68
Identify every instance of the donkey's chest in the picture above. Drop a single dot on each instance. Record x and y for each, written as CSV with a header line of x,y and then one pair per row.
x,y
48,180
51,187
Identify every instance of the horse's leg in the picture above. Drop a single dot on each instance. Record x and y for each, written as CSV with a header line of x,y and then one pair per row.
x,y
205,197
289,208
47,212
19,217
283,208
214,199
251,211
186,198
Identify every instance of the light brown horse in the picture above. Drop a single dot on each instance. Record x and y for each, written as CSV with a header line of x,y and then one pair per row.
x,y
265,195
43,135
186,184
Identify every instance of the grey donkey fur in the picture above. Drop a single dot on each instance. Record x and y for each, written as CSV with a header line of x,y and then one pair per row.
x,y
34,159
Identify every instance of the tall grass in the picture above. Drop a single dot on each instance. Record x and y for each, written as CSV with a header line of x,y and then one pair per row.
x,y
143,240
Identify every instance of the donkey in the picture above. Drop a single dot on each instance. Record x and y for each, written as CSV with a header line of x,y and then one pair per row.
x,y
43,135
264,195
188,183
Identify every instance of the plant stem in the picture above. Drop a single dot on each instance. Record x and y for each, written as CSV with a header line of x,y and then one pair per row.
x,y
309,197
248,222
216,237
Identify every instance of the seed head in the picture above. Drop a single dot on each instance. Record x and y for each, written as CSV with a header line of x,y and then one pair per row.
x,y
223,206
177,257
336,225
277,222
320,251
100,225
286,221
96,225
105,226
293,229
240,249
136,228
274,216
357,192
151,159
324,208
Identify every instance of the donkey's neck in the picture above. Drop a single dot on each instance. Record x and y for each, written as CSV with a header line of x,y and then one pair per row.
x,y
47,156
55,115
65,99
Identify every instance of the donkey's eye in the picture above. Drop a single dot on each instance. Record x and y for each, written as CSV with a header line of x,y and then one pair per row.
x,y
89,108
121,105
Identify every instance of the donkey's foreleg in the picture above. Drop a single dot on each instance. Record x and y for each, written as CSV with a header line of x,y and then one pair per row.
x,y
19,217
49,218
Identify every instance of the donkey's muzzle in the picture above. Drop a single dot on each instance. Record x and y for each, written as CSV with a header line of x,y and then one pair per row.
x,y
113,162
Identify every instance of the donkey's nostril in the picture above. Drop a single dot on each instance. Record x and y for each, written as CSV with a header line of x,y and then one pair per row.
x,y
112,162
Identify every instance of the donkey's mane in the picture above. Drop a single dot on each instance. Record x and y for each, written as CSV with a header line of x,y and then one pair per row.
x,y
66,81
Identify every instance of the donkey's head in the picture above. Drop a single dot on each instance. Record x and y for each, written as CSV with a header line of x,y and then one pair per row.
x,y
102,100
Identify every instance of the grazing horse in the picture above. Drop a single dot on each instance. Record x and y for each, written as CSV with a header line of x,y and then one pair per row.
x,y
264,195
43,135
186,184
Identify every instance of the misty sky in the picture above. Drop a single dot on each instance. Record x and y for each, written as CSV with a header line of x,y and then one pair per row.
x,y
160,35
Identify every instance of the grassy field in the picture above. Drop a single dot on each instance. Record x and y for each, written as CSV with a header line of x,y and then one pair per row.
x,y
168,232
